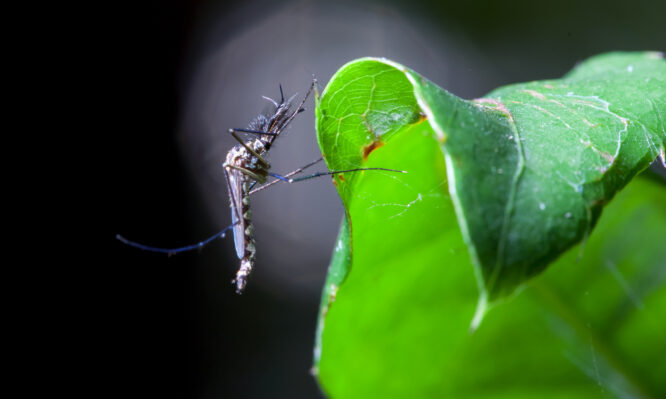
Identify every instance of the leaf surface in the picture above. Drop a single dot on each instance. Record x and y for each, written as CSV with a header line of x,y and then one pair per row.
x,y
492,195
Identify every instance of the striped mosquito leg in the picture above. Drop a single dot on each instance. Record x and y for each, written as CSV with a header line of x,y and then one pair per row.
x,y
247,261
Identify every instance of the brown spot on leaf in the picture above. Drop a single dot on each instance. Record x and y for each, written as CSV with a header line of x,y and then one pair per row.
x,y
341,177
370,148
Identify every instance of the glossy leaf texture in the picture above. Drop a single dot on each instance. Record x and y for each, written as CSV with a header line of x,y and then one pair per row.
x,y
496,189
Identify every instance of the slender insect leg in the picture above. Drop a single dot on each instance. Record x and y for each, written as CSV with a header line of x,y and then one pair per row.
x,y
299,170
283,178
173,251
333,172
247,147
252,131
247,172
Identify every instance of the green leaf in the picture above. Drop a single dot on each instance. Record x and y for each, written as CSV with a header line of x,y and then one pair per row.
x,y
530,165
528,169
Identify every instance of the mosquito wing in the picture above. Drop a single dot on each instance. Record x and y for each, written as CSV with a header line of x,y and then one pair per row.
x,y
235,184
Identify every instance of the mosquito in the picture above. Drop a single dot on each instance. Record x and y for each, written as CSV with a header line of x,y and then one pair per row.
x,y
246,167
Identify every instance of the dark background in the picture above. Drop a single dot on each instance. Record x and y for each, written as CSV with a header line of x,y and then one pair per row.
x,y
173,326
